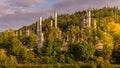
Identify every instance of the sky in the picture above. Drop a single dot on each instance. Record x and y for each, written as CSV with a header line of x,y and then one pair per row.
x,y
18,13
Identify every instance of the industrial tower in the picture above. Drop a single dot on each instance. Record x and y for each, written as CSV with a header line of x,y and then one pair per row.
x,y
55,17
58,33
87,19
40,35
86,22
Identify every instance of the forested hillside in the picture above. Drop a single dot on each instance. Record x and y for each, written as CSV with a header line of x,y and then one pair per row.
x,y
97,46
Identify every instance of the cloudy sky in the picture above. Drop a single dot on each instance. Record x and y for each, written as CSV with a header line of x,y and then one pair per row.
x,y
17,13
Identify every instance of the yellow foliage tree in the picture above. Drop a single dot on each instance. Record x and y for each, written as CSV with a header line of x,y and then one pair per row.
x,y
113,28
107,45
3,57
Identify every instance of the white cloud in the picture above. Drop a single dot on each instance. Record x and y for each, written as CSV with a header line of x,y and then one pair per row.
x,y
25,3
11,6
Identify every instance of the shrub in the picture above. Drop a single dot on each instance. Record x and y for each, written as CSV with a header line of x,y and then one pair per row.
x,y
101,63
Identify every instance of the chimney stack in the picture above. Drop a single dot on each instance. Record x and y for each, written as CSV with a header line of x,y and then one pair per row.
x,y
89,17
40,22
55,17
38,28
40,35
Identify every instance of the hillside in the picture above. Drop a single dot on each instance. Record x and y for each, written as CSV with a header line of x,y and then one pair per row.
x,y
72,42
76,18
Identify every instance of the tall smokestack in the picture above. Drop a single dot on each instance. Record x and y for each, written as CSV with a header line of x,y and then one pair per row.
x,y
89,17
38,27
40,35
40,21
55,17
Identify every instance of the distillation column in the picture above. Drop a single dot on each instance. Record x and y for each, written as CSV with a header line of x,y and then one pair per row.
x,y
55,16
40,35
